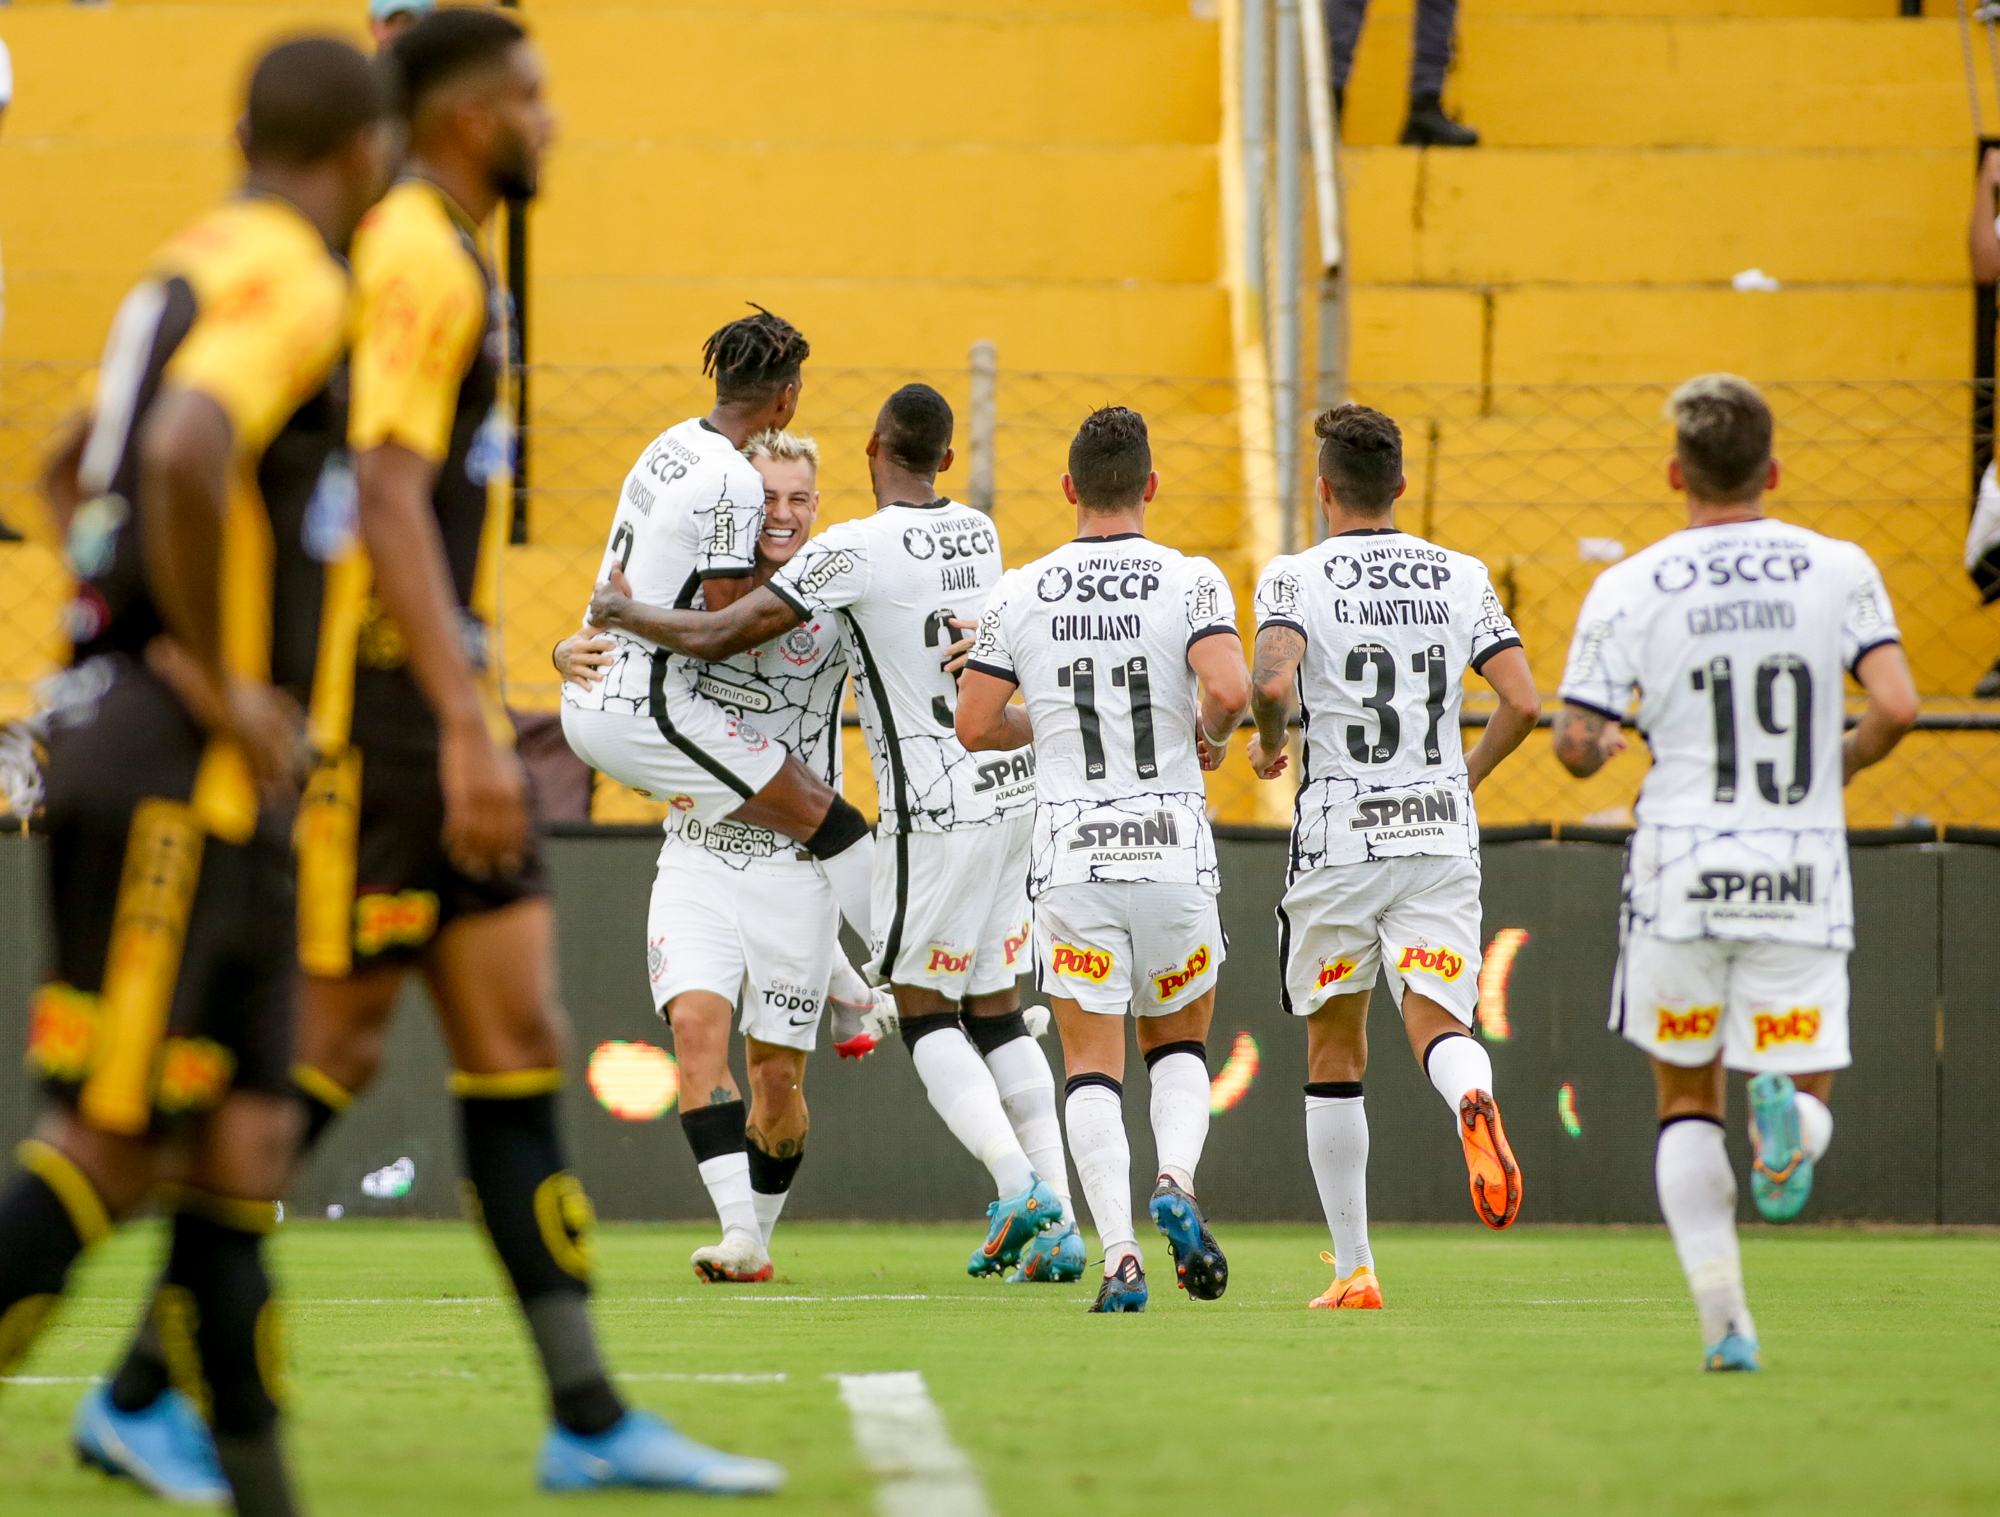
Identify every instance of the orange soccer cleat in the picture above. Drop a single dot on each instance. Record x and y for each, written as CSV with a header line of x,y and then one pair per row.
x,y
1496,1178
1360,1291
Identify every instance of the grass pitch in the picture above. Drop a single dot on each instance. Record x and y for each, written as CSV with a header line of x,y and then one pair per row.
x,y
1545,1371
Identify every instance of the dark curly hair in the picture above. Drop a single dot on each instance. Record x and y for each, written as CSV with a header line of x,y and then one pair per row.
x,y
1360,457
754,357
1110,459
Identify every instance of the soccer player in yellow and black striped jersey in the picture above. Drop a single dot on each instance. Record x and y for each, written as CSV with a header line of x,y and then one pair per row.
x,y
205,513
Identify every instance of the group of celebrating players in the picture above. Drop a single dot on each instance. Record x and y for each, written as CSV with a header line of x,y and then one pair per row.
x,y
284,509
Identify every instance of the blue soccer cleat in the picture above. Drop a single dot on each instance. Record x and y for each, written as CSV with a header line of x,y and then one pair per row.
x,y
1781,1175
1055,1256
643,1451
1198,1260
1733,1352
166,1447
1124,1289
1012,1223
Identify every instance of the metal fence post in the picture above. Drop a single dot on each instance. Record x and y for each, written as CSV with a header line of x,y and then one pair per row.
x,y
1256,168
982,426
1289,232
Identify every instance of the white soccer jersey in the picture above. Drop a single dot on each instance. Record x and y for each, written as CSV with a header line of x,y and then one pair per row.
x,y
788,689
1097,634
898,579
1391,625
1735,640
690,510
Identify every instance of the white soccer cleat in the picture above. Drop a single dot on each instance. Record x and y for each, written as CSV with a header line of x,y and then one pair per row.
x,y
858,1027
740,1258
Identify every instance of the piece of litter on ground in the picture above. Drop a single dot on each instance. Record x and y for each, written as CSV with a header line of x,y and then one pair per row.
x,y
1754,279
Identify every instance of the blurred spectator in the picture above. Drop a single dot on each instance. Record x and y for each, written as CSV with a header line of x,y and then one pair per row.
x,y
1982,542
7,533
1427,125
387,19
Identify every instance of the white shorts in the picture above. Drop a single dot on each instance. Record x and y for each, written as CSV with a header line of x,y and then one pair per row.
x,y
1112,948
1416,917
695,756
950,909
764,936
1762,1006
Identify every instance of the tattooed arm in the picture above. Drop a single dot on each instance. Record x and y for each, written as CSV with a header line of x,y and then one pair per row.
x,y
1273,680
1585,739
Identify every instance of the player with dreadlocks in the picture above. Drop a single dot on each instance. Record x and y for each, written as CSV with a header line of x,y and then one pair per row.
x,y
685,534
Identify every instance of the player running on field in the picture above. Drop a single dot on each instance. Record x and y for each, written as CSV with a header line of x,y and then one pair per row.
x,y
950,905
201,515
738,909
414,844
1735,636
1371,634
1127,654
685,530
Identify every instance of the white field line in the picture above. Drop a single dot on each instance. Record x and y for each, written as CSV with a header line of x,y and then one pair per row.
x,y
51,1379
777,1378
903,1437
1596,1300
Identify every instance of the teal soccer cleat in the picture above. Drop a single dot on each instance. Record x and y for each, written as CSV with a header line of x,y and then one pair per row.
x,y
1198,1260
1012,1223
164,1447
640,1450
1781,1175
1124,1289
1055,1256
1733,1351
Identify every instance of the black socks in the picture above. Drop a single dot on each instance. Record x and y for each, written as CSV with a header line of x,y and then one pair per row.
x,y
48,1216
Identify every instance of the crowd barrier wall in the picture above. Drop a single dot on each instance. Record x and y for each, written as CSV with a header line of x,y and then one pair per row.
x,y
1917,1137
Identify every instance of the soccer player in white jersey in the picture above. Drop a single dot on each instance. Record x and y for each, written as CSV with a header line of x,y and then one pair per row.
x,y
1370,634
1734,636
950,904
686,527
739,910
1127,654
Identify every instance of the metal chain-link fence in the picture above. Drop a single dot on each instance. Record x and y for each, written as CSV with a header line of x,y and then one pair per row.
x,y
1545,483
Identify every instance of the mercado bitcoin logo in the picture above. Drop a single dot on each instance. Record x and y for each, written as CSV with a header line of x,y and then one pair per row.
x,y
1799,1025
1092,964
1174,981
1441,962
1681,1027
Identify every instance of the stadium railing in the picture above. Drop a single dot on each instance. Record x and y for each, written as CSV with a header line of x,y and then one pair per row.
x,y
1544,483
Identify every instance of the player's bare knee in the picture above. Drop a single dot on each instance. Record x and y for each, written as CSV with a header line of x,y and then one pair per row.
x,y
120,1169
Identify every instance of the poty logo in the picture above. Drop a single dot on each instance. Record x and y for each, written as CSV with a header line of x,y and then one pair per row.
x,y
1799,1025
382,920
1332,971
1441,962
1093,964
1016,941
1174,981
681,802
1688,1026
944,961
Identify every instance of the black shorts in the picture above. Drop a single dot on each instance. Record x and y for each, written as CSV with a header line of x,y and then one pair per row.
x,y
174,951
375,883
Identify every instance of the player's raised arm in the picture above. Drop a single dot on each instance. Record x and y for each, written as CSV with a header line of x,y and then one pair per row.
x,y
751,619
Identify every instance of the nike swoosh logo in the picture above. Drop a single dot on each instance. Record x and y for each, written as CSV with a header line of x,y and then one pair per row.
x,y
801,1021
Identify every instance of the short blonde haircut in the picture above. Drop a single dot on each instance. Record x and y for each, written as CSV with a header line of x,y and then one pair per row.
x,y
783,447
1722,436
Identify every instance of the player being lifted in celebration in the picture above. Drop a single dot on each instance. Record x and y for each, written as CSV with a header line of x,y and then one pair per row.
x,y
738,909
950,904
167,1015
414,843
1128,657
1370,634
686,526
1734,636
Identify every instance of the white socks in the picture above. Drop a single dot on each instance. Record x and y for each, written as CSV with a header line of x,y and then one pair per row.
x,y
1096,1117
851,873
1028,1095
1456,1065
1698,1199
1180,1112
728,1180
768,1207
1337,1144
962,1091
1815,1125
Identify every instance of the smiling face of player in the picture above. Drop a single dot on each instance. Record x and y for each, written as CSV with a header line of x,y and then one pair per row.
x,y
791,506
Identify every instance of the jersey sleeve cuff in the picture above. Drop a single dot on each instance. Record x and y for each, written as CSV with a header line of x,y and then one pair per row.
x,y
1479,660
1866,649
1604,711
784,593
994,670
1281,621
1210,632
